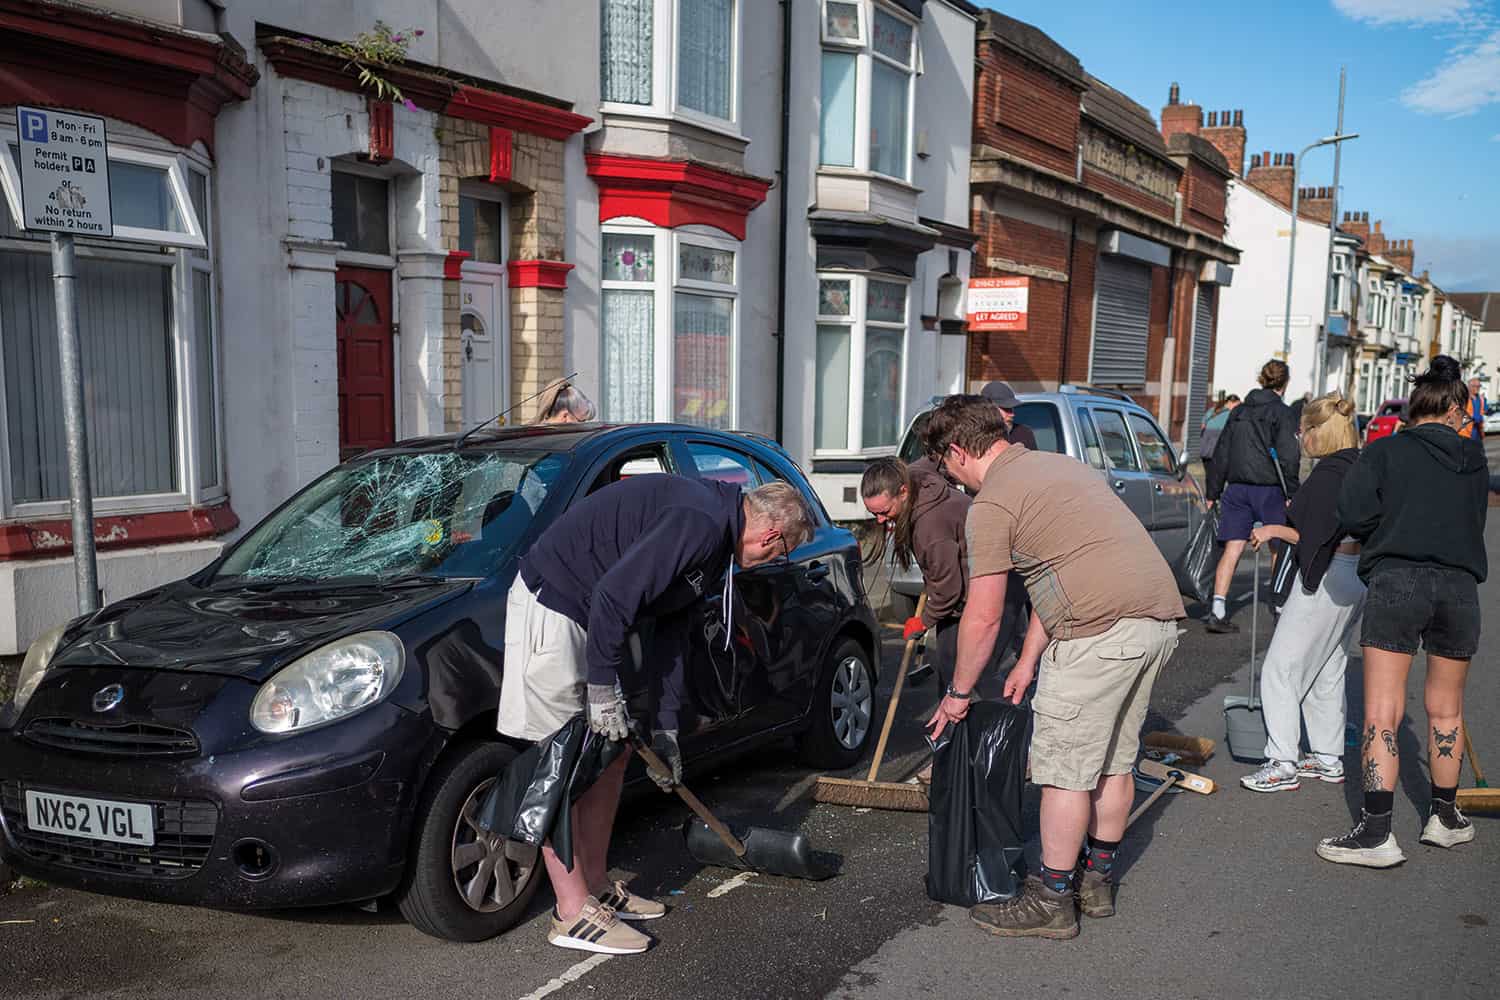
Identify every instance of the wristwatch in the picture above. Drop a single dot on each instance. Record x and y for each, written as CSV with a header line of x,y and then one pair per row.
x,y
952,693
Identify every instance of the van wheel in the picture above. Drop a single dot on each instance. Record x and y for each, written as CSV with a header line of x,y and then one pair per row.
x,y
843,710
463,883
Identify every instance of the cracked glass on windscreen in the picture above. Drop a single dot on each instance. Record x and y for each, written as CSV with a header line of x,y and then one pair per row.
x,y
445,514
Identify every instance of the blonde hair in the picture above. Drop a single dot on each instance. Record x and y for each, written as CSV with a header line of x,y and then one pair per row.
x,y
782,504
1328,426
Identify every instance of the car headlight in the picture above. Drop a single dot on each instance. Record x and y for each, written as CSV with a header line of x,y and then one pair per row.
x,y
330,683
34,667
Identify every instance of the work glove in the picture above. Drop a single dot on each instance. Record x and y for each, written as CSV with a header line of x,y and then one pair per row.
x,y
914,629
664,745
607,712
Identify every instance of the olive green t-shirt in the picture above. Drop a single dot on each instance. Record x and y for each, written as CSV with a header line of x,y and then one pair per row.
x,y
1087,560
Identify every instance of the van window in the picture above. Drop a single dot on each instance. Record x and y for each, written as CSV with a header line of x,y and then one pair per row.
x,y
1115,440
1043,419
1154,449
1092,453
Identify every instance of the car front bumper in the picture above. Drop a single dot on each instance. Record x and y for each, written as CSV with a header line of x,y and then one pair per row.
x,y
316,819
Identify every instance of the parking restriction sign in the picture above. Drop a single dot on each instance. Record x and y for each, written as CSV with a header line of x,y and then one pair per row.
x,y
64,173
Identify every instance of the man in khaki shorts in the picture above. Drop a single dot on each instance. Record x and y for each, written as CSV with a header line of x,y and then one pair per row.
x,y
647,549
1104,623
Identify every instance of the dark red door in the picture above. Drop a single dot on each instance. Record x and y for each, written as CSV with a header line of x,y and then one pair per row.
x,y
367,388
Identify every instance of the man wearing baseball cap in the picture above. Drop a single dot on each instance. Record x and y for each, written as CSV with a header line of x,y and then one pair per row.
x,y
1003,396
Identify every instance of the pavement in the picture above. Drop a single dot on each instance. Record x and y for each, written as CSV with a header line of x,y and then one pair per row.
x,y
1220,896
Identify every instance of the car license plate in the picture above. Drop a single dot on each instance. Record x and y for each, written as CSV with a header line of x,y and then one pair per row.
x,y
96,819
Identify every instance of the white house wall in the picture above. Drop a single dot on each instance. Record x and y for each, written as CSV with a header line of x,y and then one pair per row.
x,y
1251,309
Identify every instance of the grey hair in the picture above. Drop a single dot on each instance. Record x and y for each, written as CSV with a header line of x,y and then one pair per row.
x,y
784,506
572,400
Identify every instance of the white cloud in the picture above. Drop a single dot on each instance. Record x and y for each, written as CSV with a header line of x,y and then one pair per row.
x,y
1404,11
1468,81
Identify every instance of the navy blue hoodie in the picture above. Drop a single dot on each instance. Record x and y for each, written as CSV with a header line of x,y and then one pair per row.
x,y
646,548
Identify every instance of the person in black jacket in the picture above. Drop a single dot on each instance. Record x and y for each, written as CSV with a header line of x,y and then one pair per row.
x,y
1254,474
1417,501
646,549
1302,678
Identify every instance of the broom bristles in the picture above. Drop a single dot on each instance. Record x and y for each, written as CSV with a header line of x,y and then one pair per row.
x,y
1479,800
902,797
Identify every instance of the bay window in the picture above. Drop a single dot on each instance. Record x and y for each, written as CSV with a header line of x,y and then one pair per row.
x,y
671,58
668,320
870,63
860,363
147,318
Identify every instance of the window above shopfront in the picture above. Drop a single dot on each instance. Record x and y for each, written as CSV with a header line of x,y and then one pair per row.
x,y
672,58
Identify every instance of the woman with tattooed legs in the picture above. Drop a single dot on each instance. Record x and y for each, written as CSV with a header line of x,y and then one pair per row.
x,y
1417,502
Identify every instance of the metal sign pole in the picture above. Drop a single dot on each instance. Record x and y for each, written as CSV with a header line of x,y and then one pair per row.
x,y
70,361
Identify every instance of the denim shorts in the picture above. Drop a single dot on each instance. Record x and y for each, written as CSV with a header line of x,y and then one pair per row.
x,y
1435,607
1243,504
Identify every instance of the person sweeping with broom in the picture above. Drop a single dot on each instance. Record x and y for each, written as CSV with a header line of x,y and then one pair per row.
x,y
647,549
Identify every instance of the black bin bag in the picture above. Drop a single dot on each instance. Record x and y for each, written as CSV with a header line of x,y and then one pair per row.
x,y
1195,569
530,800
975,846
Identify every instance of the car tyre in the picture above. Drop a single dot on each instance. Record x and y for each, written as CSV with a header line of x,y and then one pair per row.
x,y
843,710
450,854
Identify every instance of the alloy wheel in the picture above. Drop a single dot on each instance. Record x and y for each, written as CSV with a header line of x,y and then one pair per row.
x,y
851,702
489,870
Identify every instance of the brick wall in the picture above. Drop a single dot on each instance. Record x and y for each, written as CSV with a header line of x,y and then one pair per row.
x,y
537,225
1129,194
1204,198
1228,136
1025,110
1273,175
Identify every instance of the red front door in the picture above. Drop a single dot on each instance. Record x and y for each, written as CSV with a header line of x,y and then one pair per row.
x,y
367,389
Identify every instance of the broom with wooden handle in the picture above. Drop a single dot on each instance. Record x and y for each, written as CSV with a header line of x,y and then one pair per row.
x,y
903,796
1482,799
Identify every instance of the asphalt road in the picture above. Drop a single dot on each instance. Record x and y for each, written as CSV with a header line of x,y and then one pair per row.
x,y
1220,896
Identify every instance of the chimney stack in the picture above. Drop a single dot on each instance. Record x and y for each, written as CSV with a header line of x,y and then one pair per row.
x,y
1178,118
1402,254
1357,224
1273,176
1317,203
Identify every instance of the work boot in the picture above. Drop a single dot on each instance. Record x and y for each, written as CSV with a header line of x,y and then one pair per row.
x,y
1096,893
1447,826
1370,844
1035,911
627,905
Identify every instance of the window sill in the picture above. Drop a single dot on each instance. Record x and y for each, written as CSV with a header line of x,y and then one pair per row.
x,y
52,538
868,175
627,115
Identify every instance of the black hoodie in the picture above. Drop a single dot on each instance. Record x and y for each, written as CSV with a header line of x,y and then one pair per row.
x,y
1419,497
1315,515
1243,453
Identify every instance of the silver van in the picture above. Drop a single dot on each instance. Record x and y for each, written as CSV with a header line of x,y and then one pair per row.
x,y
1109,431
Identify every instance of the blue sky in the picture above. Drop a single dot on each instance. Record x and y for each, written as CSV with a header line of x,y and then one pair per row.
x,y
1424,94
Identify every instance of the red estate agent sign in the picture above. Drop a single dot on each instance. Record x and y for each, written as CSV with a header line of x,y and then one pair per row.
x,y
998,303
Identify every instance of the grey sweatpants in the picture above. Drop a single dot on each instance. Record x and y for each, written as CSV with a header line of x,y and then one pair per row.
x,y
1302,678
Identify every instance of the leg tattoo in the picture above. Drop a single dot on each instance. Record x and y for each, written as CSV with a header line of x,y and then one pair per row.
x,y
1390,741
1369,739
1372,776
1445,742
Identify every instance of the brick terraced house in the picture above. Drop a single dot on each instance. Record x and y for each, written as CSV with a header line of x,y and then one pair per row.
x,y
1118,230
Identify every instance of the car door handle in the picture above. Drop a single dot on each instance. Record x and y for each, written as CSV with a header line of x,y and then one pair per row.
x,y
1119,484
817,571
1158,488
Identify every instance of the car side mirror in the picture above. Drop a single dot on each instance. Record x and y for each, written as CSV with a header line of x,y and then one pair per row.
x,y
1182,465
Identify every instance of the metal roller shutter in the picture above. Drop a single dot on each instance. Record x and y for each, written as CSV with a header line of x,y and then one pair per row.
x,y
1122,316
1203,338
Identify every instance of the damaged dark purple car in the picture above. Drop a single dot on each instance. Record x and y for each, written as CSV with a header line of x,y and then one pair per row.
x,y
310,719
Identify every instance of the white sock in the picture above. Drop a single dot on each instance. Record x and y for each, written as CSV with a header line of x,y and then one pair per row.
x,y
1219,609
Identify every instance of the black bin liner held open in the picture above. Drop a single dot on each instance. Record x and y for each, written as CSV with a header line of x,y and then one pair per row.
x,y
975,846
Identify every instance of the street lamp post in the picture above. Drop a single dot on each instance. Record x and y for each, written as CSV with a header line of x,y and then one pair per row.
x,y
1291,257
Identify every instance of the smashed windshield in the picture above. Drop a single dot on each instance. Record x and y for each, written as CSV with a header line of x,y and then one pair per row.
x,y
447,514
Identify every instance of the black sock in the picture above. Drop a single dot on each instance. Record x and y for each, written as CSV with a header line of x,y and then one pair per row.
x,y
1444,795
1055,880
1100,855
1379,803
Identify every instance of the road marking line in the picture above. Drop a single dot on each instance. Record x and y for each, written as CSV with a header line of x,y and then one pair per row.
x,y
743,878
572,975
795,792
